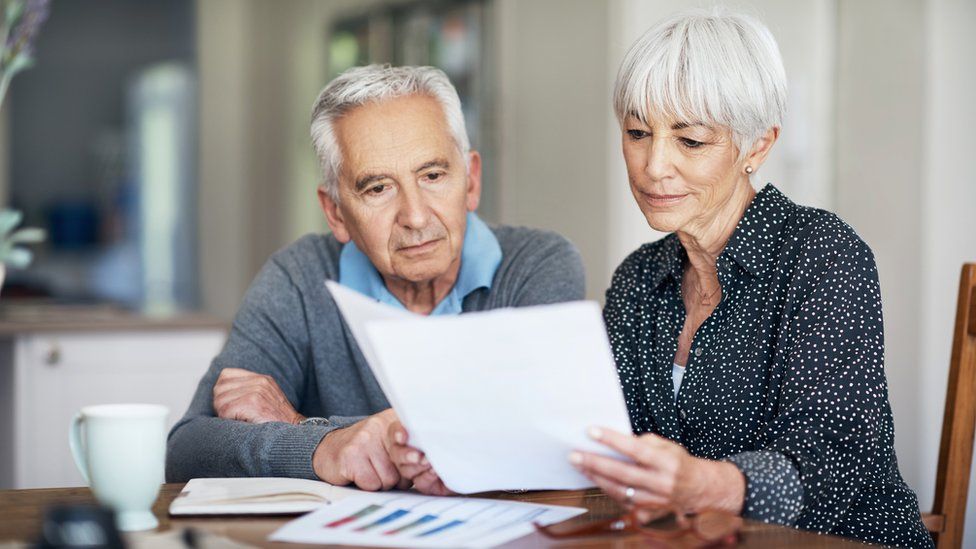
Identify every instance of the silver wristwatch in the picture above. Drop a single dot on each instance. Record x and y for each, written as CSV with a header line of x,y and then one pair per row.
x,y
315,421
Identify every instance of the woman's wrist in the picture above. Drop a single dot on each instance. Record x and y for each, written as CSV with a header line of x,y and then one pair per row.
x,y
722,487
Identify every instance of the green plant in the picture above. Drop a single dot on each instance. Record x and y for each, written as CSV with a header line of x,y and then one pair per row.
x,y
11,253
20,20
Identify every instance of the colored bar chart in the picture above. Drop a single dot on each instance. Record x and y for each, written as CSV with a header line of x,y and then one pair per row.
x,y
409,520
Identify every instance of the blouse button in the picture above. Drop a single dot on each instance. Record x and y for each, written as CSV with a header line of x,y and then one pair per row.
x,y
698,351
684,414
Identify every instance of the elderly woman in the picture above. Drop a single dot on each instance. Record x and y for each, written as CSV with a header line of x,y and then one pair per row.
x,y
749,341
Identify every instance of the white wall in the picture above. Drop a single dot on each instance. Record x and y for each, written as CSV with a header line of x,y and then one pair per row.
x,y
553,99
948,216
907,182
879,136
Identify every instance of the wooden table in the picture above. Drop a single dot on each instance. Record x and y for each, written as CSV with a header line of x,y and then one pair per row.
x,y
21,512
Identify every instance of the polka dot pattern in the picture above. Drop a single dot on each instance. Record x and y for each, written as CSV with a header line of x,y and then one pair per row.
x,y
785,378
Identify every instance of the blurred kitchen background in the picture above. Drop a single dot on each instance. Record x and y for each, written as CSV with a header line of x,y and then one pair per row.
x,y
163,144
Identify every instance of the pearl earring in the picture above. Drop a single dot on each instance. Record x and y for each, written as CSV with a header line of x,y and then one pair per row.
x,y
749,169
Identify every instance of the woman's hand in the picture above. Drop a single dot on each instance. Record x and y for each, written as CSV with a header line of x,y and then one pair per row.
x,y
663,474
412,464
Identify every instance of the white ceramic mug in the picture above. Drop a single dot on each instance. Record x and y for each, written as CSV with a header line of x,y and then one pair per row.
x,y
120,449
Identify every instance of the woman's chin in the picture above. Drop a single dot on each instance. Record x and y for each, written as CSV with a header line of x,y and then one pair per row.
x,y
664,222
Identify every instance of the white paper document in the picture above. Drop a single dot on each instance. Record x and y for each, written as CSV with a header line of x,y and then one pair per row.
x,y
396,519
496,399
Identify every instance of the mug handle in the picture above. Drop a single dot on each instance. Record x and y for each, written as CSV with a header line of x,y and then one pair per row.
x,y
74,441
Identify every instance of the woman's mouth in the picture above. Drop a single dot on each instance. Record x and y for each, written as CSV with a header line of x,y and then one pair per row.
x,y
662,200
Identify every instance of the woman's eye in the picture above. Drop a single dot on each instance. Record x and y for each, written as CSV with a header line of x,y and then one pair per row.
x,y
691,143
376,189
637,134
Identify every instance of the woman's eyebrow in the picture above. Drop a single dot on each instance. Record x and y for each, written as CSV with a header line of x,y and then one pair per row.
x,y
683,125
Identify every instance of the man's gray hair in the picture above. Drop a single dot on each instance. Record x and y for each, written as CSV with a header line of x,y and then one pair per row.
x,y
706,66
374,83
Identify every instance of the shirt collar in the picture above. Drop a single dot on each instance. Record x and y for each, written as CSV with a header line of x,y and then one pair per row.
x,y
753,244
481,254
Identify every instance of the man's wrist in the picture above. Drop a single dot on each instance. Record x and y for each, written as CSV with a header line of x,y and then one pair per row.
x,y
323,458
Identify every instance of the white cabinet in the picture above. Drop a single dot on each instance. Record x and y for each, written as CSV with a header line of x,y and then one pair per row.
x,y
45,377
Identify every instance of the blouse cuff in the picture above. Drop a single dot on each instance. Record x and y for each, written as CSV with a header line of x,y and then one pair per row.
x,y
773,489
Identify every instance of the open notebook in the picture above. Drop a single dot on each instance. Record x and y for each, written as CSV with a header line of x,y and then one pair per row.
x,y
255,496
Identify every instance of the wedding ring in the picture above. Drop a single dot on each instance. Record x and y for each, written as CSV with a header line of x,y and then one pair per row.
x,y
629,495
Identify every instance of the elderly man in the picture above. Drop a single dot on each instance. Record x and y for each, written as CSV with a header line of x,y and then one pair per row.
x,y
290,394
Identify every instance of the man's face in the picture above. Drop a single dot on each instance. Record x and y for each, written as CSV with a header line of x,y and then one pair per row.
x,y
403,189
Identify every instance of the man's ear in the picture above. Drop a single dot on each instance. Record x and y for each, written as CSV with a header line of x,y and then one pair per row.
x,y
473,194
333,215
761,149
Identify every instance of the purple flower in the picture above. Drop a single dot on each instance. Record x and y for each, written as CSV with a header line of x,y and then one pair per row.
x,y
21,40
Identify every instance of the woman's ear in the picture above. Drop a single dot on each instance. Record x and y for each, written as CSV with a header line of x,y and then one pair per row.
x,y
760,150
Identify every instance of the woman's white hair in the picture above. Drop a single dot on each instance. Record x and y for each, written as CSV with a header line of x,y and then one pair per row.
x,y
706,66
374,83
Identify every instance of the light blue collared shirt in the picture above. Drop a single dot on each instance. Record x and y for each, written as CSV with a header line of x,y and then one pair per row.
x,y
480,257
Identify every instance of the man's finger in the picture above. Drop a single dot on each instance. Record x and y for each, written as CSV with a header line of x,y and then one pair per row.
x,y
387,472
237,382
231,373
405,483
364,476
405,455
397,433
431,484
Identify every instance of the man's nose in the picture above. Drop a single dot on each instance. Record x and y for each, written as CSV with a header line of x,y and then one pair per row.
x,y
413,213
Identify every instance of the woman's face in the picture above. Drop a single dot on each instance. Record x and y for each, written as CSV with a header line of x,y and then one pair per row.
x,y
681,174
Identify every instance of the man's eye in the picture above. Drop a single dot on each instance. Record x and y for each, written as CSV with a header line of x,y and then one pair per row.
x,y
637,134
691,143
434,176
376,189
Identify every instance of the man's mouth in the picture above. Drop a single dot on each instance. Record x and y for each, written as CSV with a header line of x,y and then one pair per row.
x,y
420,248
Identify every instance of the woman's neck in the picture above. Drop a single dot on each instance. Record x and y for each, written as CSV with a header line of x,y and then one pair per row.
x,y
704,242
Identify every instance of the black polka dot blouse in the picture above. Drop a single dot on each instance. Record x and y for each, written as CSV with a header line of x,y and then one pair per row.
x,y
785,379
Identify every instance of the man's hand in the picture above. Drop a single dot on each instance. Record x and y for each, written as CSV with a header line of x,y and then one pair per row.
x,y
360,454
255,398
412,464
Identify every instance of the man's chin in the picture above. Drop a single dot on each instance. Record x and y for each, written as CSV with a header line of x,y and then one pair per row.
x,y
422,270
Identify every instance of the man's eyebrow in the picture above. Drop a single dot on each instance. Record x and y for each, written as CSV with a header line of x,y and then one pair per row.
x,y
366,179
436,163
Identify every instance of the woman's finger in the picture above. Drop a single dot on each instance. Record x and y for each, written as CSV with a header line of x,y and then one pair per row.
x,y
629,474
642,449
618,492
